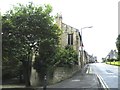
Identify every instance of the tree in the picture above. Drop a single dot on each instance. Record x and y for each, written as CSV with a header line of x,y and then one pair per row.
x,y
118,46
10,56
28,28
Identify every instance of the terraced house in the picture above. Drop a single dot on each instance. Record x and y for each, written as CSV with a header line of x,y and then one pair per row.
x,y
70,35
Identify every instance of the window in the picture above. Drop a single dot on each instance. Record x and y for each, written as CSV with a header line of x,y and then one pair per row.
x,y
70,39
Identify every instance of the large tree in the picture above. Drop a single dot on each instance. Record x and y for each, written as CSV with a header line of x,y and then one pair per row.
x,y
28,28
118,46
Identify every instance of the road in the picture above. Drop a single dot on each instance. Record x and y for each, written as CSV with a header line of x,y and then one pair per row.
x,y
109,73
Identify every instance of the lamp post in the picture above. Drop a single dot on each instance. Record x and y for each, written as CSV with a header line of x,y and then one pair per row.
x,y
81,45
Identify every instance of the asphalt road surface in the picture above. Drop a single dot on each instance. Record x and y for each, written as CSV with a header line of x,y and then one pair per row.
x,y
109,73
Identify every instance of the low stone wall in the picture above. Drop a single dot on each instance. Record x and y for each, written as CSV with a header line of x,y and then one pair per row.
x,y
62,73
59,74
34,79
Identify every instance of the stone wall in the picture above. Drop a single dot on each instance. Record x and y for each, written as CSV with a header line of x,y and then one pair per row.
x,y
62,73
34,79
59,74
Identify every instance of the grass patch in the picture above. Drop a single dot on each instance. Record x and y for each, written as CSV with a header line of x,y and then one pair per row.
x,y
116,63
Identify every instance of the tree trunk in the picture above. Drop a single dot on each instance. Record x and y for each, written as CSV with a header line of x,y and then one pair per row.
x,y
26,73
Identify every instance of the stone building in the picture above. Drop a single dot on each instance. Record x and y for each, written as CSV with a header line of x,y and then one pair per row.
x,y
86,57
70,35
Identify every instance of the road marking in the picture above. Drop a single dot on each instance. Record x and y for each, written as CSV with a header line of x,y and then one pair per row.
x,y
89,70
76,80
104,85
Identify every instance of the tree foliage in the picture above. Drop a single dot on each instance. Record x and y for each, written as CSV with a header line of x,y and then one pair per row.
x,y
118,46
66,57
28,28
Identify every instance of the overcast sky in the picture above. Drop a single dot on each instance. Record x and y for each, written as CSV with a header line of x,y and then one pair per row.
x,y
101,14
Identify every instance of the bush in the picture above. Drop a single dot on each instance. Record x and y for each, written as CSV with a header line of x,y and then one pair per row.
x,y
66,56
63,57
11,71
111,60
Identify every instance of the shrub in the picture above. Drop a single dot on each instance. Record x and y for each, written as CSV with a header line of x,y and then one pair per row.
x,y
66,56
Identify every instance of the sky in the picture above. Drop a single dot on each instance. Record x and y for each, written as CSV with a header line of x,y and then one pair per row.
x,y
101,14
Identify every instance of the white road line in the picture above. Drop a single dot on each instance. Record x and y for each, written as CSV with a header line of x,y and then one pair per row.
x,y
104,85
87,72
76,80
90,71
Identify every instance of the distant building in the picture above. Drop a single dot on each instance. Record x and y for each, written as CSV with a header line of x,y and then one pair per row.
x,y
95,59
92,59
86,57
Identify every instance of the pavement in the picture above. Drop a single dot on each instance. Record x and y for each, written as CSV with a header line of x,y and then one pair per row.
x,y
83,79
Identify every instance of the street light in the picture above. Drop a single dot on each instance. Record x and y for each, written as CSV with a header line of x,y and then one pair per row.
x,y
84,28
81,45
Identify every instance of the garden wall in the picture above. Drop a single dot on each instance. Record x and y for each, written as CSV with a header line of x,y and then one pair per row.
x,y
59,74
62,73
